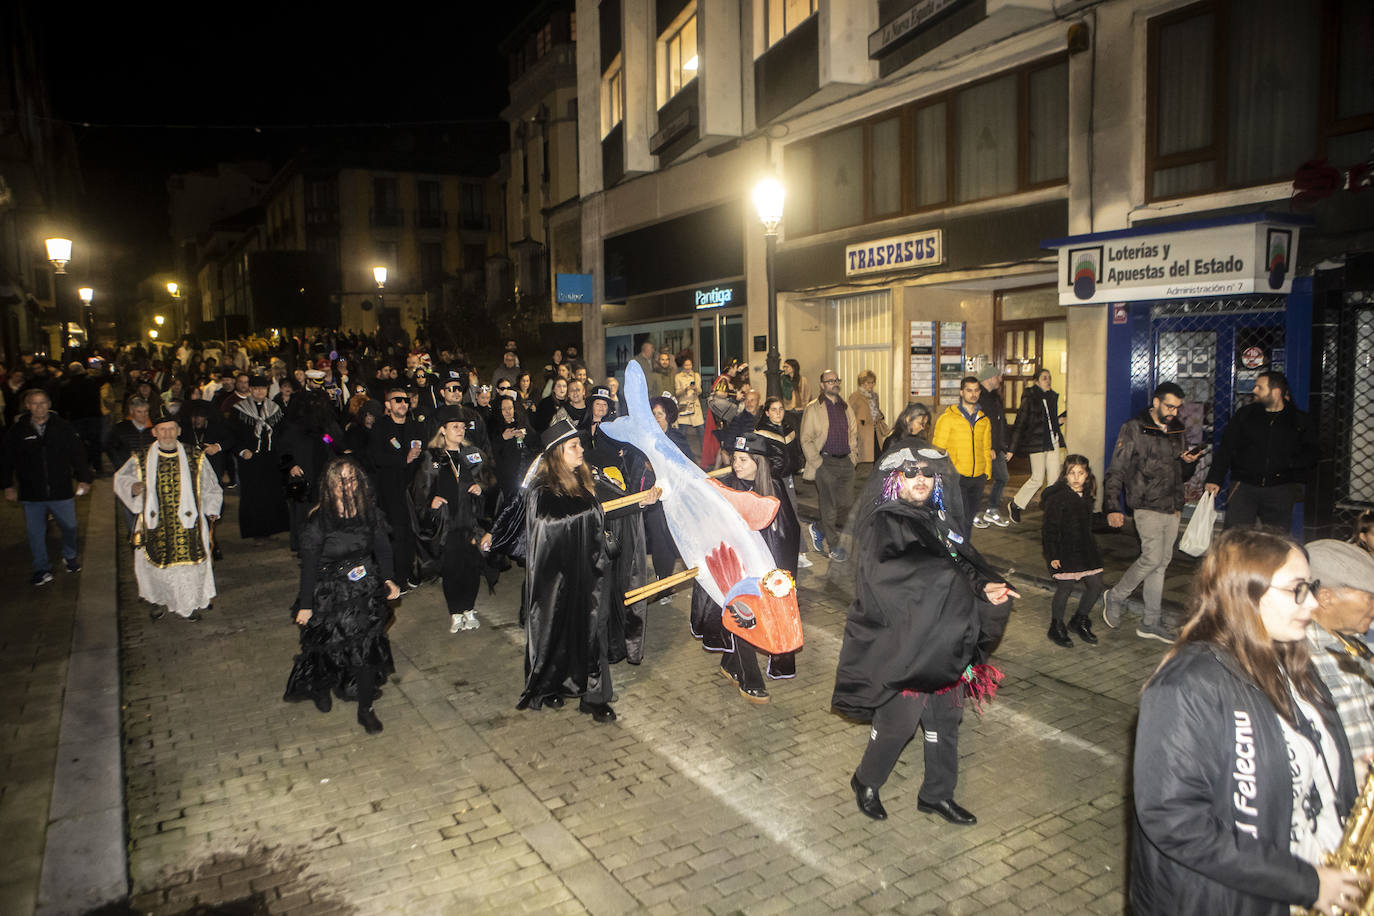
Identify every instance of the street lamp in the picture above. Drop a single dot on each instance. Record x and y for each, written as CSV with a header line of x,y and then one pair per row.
x,y
768,195
153,333
159,320
379,274
87,294
59,252
173,289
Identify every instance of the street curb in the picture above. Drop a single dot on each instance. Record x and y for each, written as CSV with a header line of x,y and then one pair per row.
x,y
85,854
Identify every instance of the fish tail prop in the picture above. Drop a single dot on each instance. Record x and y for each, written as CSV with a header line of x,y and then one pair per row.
x,y
639,416
979,683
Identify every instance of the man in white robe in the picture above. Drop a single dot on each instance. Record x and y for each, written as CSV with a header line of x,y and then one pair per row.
x,y
176,496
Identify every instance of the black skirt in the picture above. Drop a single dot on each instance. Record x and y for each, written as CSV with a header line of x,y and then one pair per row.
x,y
346,632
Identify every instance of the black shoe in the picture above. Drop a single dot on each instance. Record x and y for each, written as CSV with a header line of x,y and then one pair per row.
x,y
728,675
948,809
868,800
600,712
754,694
553,701
157,613
1014,512
323,702
369,721
1080,624
194,617
217,555
1059,635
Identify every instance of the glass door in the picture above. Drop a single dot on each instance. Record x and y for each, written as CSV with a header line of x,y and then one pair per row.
x,y
721,338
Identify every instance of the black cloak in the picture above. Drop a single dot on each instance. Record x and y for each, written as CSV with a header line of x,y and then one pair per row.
x,y
458,518
628,570
920,617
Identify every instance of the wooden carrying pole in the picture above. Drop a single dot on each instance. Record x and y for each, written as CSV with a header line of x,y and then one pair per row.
x,y
653,588
630,499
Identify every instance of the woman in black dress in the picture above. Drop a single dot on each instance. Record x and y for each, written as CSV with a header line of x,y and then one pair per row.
x,y
550,405
512,447
751,470
346,580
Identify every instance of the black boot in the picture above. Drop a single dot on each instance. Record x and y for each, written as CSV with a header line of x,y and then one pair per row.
x,y
868,800
1081,625
323,702
368,720
1059,635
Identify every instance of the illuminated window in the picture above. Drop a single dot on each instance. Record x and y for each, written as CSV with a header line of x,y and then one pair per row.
x,y
680,56
782,16
612,97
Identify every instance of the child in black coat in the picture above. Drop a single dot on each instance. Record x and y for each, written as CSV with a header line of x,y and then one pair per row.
x,y
1070,550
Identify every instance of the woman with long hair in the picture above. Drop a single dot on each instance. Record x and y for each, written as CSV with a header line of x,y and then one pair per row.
x,y
512,446
913,422
526,399
785,457
1037,434
925,619
750,470
556,399
346,580
1242,770
1071,550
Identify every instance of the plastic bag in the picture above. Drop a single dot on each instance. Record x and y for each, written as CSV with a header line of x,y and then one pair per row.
x,y
1198,537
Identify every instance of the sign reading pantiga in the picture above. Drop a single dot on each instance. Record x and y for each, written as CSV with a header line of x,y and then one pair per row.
x,y
908,24
574,288
900,252
1215,260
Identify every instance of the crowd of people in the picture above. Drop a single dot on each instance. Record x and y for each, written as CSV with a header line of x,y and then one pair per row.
x,y
389,469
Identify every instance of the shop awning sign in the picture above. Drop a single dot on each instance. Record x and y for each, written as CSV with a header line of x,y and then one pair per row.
x,y
900,252
574,287
1224,257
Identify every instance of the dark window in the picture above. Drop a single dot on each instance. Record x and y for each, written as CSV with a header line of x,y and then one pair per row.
x,y
474,205
431,264
1242,93
429,204
386,210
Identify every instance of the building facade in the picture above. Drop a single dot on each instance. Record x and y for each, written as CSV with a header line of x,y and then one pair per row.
x,y
930,151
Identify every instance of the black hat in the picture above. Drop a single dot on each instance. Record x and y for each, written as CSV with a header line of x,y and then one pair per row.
x,y
557,432
451,413
160,414
259,381
749,443
669,405
453,375
602,393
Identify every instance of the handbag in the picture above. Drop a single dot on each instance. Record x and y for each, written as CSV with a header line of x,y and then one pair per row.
x,y
1198,536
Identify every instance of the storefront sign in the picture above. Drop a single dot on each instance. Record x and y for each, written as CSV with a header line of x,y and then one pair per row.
x,y
714,297
908,25
922,358
900,252
1219,259
574,287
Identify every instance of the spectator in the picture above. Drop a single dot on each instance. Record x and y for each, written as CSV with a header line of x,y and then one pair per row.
x,y
796,393
1038,434
1269,446
1146,475
1364,531
41,455
872,424
686,389
661,381
509,370
990,403
646,359
830,443
1070,550
965,432
79,404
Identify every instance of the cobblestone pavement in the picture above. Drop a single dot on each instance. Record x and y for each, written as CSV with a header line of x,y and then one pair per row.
x,y
693,801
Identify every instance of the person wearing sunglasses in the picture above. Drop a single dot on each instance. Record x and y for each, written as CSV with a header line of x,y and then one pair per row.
x,y
1243,774
928,612
395,445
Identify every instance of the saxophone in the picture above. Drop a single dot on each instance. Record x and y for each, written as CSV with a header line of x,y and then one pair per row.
x,y
1356,850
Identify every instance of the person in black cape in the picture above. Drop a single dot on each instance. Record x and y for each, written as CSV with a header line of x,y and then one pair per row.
x,y
568,586
444,498
928,613
512,447
346,579
394,447
309,438
262,501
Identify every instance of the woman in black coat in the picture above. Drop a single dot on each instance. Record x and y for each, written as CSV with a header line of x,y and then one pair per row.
x,y
310,438
918,635
1037,434
557,399
346,579
1070,549
512,446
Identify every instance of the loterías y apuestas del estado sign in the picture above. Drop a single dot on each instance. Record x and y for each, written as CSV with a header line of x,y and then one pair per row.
x,y
1250,255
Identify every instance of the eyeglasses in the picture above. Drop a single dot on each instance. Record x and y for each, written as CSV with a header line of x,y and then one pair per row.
x,y
827,381
1300,590
918,470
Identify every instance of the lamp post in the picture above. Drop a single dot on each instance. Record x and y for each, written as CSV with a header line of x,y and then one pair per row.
x,y
59,255
379,274
174,290
768,195
87,294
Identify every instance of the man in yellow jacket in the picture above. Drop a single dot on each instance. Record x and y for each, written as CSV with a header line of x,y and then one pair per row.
x,y
966,433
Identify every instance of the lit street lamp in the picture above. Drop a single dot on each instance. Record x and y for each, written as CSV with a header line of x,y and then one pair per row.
x,y
153,333
87,294
768,195
60,253
158,320
379,274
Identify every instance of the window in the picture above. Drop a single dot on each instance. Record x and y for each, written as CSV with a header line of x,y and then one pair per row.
x,y
612,97
473,205
1000,136
386,210
572,26
1241,94
429,200
544,40
431,264
680,56
782,16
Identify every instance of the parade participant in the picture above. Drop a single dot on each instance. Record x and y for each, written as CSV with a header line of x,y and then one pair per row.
x,y
176,496
576,408
443,499
641,476
918,635
912,423
568,590
346,578
454,392
262,504
525,396
204,429
750,470
1343,580
40,455
512,447
131,435
556,400
785,456
395,447
1242,770
309,439
1071,550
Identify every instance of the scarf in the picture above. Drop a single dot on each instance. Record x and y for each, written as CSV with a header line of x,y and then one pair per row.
x,y
186,503
262,422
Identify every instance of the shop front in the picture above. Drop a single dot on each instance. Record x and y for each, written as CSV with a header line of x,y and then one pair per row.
x,y
708,320
1208,304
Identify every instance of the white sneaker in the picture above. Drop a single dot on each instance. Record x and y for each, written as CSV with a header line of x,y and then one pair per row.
x,y
803,562
995,518
457,623
470,621
979,521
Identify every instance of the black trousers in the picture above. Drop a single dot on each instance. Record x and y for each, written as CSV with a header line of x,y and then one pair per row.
x,y
971,492
462,572
1272,506
894,724
1093,586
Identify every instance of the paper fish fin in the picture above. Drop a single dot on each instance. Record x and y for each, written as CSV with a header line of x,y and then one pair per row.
x,y
757,511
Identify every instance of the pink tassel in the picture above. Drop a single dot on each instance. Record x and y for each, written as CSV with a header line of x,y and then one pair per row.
x,y
981,684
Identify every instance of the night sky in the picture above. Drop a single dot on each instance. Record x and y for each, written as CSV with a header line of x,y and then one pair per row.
x,y
132,75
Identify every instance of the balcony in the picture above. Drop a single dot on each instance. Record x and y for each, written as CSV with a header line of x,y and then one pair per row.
x,y
386,218
477,221
431,219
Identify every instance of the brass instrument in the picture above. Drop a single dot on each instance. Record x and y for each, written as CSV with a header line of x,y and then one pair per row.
x,y
1356,850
